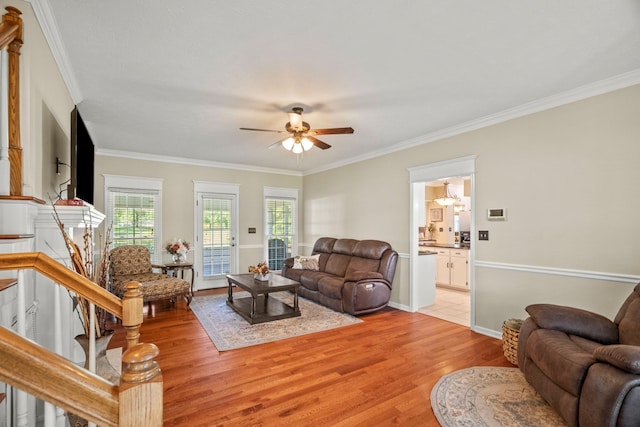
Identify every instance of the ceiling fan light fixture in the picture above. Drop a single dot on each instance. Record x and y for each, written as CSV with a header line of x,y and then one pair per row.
x,y
306,144
288,143
297,148
295,120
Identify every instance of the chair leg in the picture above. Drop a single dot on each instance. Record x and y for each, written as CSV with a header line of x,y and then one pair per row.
x,y
188,297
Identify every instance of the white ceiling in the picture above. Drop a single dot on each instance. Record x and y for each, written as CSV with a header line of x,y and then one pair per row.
x,y
178,78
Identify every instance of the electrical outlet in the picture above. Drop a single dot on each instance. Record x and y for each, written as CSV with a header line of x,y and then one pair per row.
x,y
483,235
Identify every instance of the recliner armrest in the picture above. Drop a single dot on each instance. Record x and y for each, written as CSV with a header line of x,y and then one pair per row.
x,y
574,321
288,262
356,276
625,357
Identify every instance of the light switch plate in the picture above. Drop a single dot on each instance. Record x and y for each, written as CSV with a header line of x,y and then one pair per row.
x,y
483,234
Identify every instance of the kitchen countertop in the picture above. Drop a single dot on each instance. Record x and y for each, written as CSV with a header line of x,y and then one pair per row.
x,y
427,252
441,245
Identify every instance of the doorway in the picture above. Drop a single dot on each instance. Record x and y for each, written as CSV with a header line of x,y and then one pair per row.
x,y
419,177
216,230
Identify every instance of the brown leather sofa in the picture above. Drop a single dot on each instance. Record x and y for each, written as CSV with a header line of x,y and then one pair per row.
x,y
352,276
586,366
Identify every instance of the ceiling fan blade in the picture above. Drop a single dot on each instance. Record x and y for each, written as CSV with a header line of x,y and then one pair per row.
x,y
331,131
264,130
276,144
318,143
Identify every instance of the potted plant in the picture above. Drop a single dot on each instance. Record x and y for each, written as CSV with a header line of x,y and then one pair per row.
x,y
260,271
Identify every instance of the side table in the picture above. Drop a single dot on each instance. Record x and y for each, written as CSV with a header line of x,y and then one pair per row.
x,y
174,267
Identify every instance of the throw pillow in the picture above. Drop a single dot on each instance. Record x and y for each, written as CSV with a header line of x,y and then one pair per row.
x,y
307,263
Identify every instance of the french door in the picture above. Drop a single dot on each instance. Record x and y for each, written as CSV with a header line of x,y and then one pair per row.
x,y
216,239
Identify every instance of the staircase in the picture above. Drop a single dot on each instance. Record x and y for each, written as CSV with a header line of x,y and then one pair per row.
x,y
31,369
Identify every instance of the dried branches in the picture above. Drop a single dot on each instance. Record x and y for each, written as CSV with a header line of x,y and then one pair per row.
x,y
83,264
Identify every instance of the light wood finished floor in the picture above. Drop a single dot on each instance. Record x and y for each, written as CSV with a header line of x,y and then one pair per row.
x,y
376,373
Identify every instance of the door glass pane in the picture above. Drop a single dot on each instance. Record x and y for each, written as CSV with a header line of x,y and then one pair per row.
x,y
216,237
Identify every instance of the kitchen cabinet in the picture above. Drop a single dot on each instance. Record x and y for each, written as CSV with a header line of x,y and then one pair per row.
x,y
452,268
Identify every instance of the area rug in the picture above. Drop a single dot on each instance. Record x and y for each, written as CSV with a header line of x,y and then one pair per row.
x,y
228,330
490,396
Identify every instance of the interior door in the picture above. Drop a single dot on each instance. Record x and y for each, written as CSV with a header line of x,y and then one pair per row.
x,y
216,241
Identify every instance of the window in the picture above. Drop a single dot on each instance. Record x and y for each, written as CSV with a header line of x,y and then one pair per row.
x,y
133,208
280,208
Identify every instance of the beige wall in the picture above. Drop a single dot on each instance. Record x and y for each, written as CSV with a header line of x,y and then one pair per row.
x,y
567,177
178,199
45,107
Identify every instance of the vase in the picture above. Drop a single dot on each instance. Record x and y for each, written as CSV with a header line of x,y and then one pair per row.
x,y
103,366
178,258
261,277
104,369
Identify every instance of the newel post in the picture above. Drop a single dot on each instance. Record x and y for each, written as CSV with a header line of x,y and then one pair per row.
x,y
140,387
132,312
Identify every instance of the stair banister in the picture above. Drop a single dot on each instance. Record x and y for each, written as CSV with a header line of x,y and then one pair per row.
x,y
57,380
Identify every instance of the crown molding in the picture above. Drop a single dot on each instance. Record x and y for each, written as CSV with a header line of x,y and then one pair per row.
x,y
583,92
194,162
49,26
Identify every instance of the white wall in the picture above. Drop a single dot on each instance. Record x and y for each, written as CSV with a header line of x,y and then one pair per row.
x,y
555,171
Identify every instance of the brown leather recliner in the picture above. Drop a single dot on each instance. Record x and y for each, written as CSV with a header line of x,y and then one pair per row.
x,y
353,276
586,366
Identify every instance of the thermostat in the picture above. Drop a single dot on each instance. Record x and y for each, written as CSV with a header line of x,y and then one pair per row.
x,y
497,214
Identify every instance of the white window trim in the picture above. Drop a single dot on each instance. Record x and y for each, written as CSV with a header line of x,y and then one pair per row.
x,y
284,193
122,182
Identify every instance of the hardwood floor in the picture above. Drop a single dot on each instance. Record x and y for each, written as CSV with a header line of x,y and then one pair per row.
x,y
379,372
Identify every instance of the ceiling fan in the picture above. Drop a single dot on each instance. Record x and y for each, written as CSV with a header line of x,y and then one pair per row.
x,y
302,137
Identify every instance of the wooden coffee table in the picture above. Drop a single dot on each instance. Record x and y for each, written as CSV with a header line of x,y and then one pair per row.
x,y
259,308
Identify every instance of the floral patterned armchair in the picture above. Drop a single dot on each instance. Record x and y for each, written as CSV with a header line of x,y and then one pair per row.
x,y
133,264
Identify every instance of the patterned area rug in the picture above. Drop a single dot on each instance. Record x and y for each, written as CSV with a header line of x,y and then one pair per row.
x,y
228,330
490,396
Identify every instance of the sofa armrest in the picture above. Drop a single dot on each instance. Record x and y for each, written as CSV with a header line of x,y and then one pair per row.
x,y
625,357
574,321
356,276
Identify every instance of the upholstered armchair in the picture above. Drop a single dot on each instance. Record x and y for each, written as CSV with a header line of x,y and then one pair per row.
x,y
586,366
133,263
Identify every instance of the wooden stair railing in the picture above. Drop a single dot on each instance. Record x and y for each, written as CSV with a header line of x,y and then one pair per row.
x,y
29,367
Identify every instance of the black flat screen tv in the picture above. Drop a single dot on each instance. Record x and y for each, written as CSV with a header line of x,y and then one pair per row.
x,y
82,159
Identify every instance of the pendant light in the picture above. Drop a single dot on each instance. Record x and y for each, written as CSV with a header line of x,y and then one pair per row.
x,y
446,199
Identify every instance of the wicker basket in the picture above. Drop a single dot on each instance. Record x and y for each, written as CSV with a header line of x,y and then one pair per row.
x,y
510,332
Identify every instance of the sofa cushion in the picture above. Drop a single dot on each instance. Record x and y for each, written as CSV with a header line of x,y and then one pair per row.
x,y
309,279
344,246
331,286
372,249
625,357
558,357
629,327
574,321
362,264
324,245
337,264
